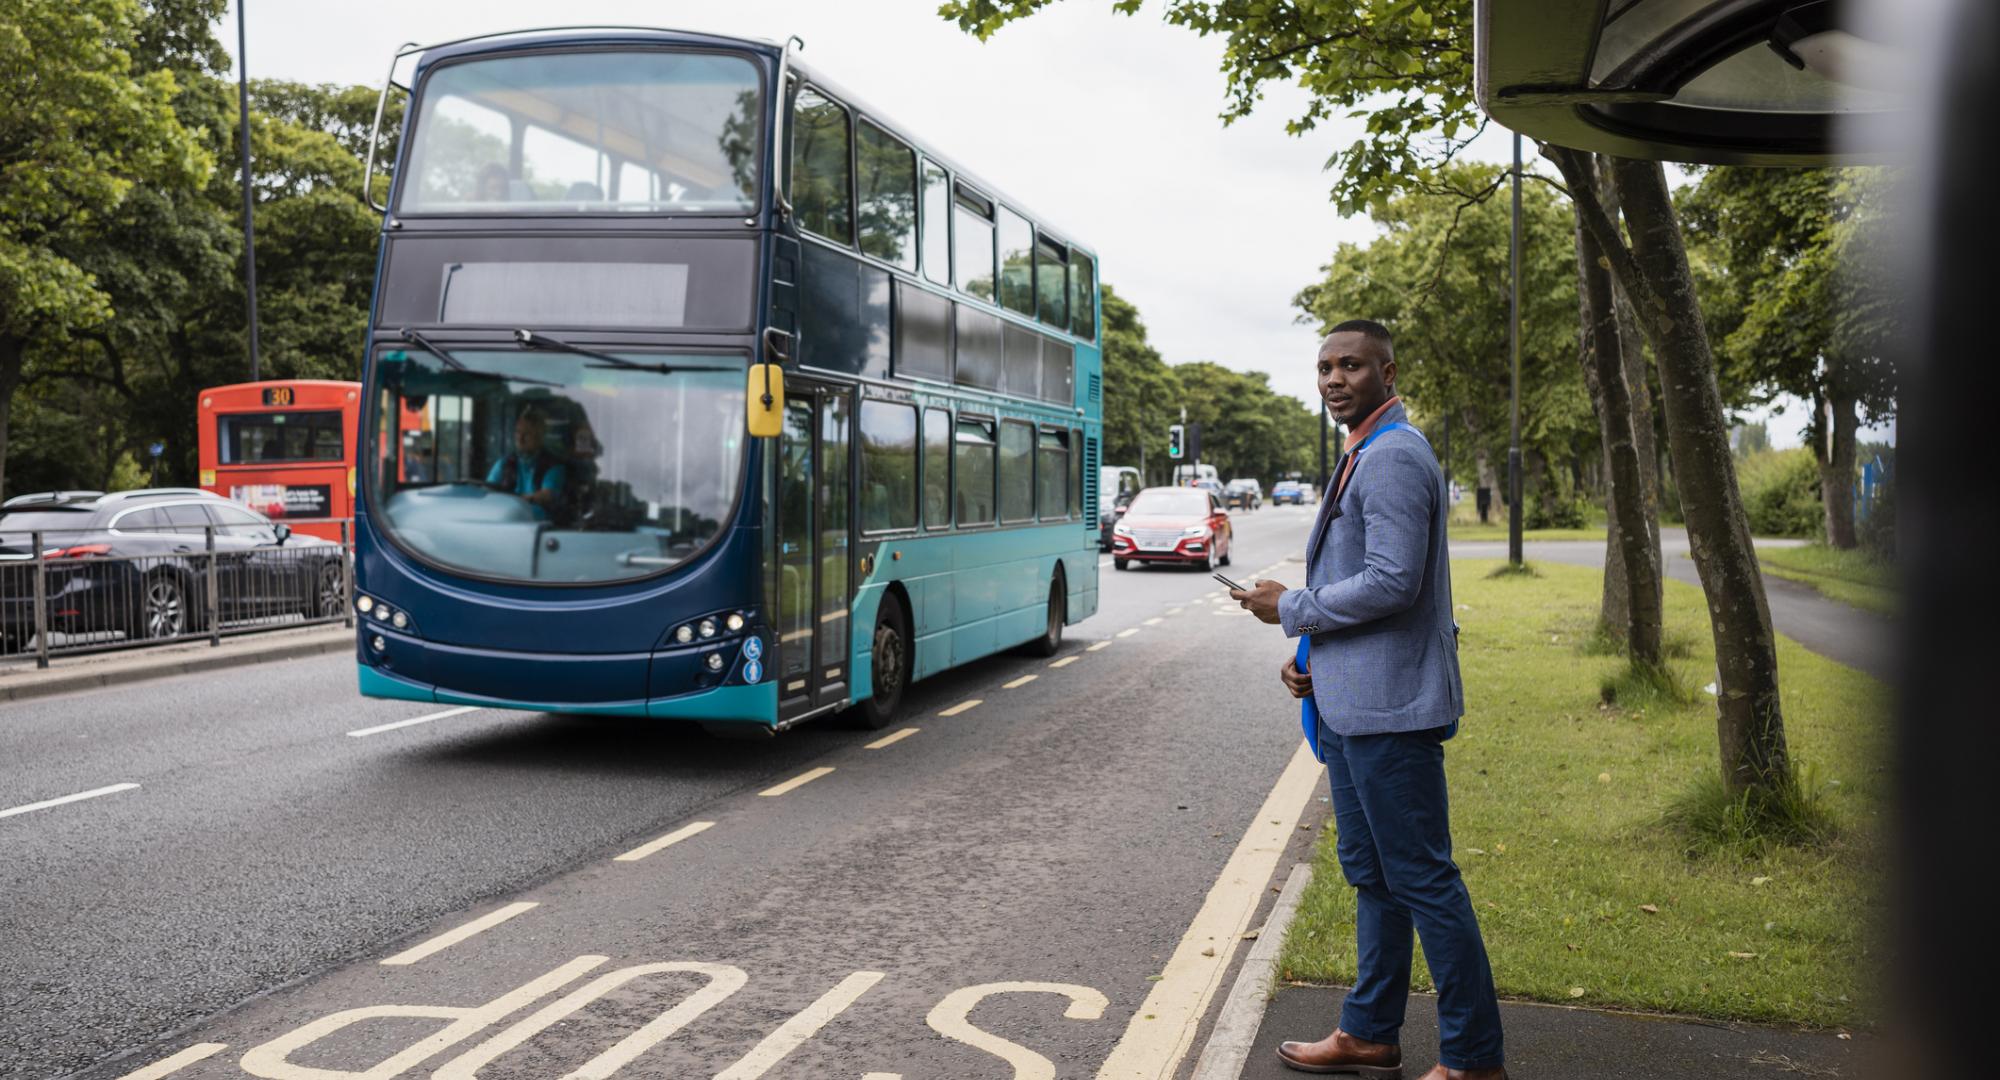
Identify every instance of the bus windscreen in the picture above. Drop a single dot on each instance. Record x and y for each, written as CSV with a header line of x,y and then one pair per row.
x,y
589,132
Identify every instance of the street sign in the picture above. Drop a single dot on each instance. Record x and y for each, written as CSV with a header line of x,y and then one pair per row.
x,y
157,449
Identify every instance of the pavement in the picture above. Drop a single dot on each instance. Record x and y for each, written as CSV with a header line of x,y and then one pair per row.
x,y
21,680
1551,1042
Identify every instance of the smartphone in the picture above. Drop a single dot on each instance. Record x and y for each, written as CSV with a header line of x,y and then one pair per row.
x,y
1231,584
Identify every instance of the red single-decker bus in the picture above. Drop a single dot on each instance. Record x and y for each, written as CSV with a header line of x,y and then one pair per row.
x,y
284,449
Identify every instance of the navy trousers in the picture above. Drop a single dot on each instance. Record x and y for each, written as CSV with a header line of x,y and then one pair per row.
x,y
1389,806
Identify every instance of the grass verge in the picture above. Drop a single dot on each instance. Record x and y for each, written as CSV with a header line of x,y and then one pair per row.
x,y
1473,531
1572,822
1851,577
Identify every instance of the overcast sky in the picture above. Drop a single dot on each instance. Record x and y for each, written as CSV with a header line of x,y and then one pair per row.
x,y
1105,124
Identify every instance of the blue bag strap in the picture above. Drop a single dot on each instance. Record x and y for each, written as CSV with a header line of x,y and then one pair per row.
x,y
1308,708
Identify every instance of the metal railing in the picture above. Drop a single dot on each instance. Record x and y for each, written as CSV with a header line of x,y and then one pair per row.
x,y
69,591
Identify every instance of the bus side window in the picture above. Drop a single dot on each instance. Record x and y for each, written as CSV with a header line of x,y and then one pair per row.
x,y
819,173
937,469
936,225
888,201
1017,265
888,466
1083,296
973,461
1052,475
1017,471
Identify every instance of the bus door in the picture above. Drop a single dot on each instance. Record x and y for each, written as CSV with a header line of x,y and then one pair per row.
x,y
814,549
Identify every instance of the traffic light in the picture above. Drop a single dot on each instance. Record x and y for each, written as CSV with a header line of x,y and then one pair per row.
x,y
1174,440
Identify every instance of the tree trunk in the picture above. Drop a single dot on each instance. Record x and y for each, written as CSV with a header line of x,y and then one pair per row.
x,y
1749,719
1836,469
1638,382
1632,596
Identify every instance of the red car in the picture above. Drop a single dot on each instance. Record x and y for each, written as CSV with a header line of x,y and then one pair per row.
x,y
1184,525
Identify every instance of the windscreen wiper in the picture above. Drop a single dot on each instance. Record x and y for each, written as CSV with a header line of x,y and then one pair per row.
x,y
454,363
531,340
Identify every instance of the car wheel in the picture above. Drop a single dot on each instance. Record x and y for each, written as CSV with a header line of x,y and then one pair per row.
x,y
164,609
329,598
1208,558
1051,640
1121,564
890,663
11,643
1225,551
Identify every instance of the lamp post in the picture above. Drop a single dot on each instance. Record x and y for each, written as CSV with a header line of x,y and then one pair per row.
x,y
1514,379
249,229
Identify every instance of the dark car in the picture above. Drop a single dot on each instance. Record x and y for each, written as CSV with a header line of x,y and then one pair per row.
x,y
1184,525
137,563
1243,494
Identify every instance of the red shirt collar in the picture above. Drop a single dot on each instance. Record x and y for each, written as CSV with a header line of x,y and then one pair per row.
x,y
1366,427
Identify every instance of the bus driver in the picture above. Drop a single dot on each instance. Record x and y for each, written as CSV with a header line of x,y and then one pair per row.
x,y
530,471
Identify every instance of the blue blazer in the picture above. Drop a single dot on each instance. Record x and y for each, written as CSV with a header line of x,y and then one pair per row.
x,y
1376,610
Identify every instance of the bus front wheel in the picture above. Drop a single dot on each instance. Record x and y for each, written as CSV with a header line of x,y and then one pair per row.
x,y
890,658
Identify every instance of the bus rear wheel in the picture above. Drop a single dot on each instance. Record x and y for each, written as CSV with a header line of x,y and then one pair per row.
x,y
1051,639
889,655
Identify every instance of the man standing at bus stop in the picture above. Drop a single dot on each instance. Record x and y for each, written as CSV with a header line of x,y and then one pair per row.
x,y
1377,675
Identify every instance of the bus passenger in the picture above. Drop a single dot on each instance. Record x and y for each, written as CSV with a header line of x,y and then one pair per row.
x,y
493,184
530,471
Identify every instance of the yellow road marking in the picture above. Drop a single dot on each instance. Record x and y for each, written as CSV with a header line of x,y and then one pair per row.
x,y
1020,682
1128,631
891,740
1154,621
1066,661
951,1019
171,1065
796,782
961,707
452,937
1099,645
793,1033
667,841
1152,1049
723,981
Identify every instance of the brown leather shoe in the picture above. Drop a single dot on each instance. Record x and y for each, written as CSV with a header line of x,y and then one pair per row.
x,y
1439,1072
1343,1053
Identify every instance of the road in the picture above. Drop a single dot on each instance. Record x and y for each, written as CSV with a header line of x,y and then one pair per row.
x,y
1066,830
1049,861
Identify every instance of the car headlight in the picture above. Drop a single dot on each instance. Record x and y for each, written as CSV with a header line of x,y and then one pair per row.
x,y
1122,529
1195,530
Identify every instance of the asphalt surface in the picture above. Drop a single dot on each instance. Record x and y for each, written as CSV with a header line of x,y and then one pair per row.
x,y
1837,631
1047,845
1066,830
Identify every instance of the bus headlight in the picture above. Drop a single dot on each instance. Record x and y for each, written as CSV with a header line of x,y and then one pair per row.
x,y
684,634
734,622
715,661
399,620
708,628
375,642
364,603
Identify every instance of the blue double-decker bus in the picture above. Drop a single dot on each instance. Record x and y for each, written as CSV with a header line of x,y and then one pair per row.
x,y
699,389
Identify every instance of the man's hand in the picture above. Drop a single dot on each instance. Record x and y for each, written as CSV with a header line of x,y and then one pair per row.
x,y
1300,685
1261,600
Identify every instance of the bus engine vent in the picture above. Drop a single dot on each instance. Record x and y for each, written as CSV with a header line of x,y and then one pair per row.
x,y
1090,471
1096,390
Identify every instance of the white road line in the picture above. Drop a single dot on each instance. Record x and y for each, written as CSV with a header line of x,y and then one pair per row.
x,y
1164,1026
796,782
425,719
961,707
1020,682
1128,631
793,1033
1175,610
452,937
171,1065
1099,645
891,740
1155,621
1066,661
693,828
78,797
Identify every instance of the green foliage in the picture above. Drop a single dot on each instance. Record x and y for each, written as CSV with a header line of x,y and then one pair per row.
x,y
1142,394
1403,66
1437,277
1781,493
1748,825
167,259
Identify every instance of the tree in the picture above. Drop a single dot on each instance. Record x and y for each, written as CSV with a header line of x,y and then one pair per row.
x,y
1437,277
1798,322
1142,394
81,130
1406,66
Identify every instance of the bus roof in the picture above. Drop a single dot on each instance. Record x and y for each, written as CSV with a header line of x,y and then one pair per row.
x,y
542,37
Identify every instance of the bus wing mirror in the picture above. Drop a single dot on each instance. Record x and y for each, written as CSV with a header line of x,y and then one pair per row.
x,y
766,400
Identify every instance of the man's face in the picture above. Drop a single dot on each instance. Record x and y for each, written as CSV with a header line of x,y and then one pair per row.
x,y
527,435
1356,375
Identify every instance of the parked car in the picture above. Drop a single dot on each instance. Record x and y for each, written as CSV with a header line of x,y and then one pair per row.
x,y
137,562
1185,525
1243,493
1291,491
